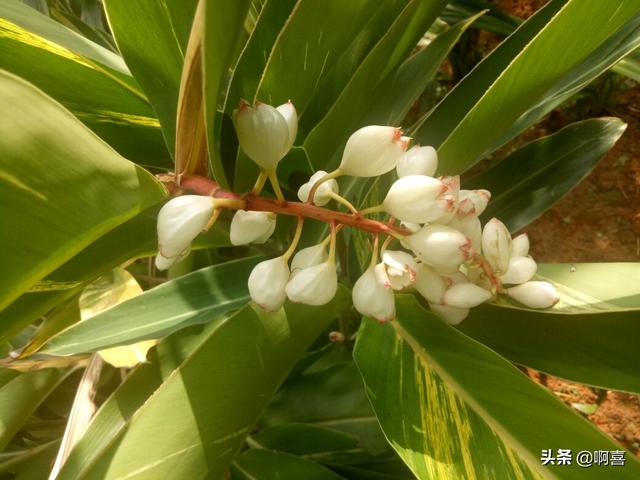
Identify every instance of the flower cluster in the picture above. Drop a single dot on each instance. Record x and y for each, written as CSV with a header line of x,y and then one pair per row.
x,y
443,252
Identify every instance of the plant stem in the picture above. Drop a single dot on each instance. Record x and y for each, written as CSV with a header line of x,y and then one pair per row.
x,y
327,177
340,199
205,186
296,238
374,209
262,178
275,184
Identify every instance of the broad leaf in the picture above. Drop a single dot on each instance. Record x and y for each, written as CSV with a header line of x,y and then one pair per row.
x,y
269,465
246,357
453,408
61,188
527,182
590,337
90,81
152,37
194,298
20,396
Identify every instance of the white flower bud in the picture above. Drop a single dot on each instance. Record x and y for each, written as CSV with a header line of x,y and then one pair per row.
x,y
451,315
521,269
372,299
180,220
479,198
465,295
267,283
415,199
430,284
496,245
448,198
418,161
535,294
308,257
288,111
471,227
440,246
520,245
400,268
263,132
323,192
314,285
372,151
251,227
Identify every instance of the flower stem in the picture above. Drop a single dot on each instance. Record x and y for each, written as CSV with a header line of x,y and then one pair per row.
x,y
374,209
332,245
374,254
262,179
326,178
296,238
340,199
273,178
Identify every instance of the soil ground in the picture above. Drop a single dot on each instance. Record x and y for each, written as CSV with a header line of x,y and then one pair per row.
x,y
598,221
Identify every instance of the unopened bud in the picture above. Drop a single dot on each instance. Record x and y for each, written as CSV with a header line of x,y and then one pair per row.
x,y
440,246
400,268
430,284
520,245
471,227
267,283
535,294
479,198
415,199
418,161
251,227
465,295
372,299
451,315
308,257
314,285
322,195
372,151
521,269
496,245
180,220
264,133
288,111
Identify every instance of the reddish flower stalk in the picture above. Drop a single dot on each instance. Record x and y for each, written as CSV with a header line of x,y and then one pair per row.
x,y
204,186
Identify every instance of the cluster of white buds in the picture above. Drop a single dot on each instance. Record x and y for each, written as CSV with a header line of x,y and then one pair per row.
x,y
444,253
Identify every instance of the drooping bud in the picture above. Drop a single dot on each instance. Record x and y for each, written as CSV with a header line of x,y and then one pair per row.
x,y
251,227
372,151
418,161
400,268
465,295
449,198
521,269
535,294
415,199
308,257
479,198
440,246
323,192
314,285
267,283
471,227
180,220
263,132
520,245
451,315
288,111
372,299
496,245
430,284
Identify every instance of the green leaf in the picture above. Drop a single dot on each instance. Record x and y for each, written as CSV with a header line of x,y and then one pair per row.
x,y
222,34
452,408
152,36
61,188
395,96
495,21
20,397
268,465
194,298
90,81
629,66
527,182
349,111
529,75
246,357
590,338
